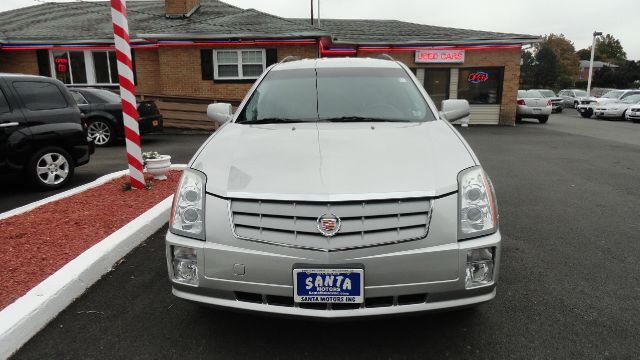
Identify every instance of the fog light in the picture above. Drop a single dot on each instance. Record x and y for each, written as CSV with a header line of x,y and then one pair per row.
x,y
185,265
479,270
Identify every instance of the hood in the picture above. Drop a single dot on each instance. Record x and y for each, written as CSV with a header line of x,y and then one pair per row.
x,y
602,101
333,161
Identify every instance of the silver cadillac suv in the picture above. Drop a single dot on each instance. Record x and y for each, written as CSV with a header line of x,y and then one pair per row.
x,y
336,190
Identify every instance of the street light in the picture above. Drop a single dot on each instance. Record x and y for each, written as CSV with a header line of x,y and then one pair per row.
x,y
593,52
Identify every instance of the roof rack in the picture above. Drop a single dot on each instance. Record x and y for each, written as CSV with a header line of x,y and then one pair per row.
x,y
289,58
385,57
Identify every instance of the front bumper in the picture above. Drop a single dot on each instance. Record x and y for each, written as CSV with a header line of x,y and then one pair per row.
x,y
607,113
585,108
431,270
633,115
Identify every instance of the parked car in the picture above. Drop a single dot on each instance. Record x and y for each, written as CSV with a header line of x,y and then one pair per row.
x,y
42,136
103,111
556,101
532,104
598,92
617,109
633,113
571,97
317,199
587,106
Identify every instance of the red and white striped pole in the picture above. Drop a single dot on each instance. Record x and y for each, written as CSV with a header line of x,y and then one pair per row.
x,y
127,92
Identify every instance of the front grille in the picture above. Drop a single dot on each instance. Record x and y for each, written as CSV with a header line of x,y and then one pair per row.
x,y
362,223
586,102
369,302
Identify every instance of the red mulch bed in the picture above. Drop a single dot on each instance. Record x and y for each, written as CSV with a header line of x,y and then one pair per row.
x,y
36,244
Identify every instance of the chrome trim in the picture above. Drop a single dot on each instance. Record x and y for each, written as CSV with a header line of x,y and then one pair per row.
x,y
325,232
342,197
9,124
233,231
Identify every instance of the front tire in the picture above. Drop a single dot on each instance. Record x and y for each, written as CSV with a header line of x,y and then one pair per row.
x,y
101,132
586,114
575,104
50,168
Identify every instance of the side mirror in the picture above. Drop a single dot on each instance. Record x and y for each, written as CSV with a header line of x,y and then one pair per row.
x,y
456,109
220,112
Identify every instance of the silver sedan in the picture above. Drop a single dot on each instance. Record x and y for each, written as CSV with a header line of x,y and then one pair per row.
x,y
532,104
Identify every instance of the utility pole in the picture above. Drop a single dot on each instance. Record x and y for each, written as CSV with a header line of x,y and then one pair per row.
x,y
311,12
318,13
593,52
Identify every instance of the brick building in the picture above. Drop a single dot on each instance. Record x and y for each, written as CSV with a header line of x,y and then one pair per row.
x,y
583,69
206,50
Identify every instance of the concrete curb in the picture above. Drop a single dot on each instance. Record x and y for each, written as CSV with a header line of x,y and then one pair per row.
x,y
99,181
26,316
76,190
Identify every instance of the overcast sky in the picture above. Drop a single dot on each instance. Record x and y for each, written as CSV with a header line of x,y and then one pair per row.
x,y
577,19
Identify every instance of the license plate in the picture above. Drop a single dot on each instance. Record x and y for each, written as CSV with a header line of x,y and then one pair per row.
x,y
328,285
154,123
536,111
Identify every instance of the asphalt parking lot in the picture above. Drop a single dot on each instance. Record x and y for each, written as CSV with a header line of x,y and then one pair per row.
x,y
14,192
569,198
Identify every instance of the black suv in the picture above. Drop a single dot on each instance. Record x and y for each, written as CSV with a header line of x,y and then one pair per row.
x,y
42,134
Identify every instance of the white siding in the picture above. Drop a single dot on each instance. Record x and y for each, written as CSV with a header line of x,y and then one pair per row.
x,y
485,114
453,83
420,75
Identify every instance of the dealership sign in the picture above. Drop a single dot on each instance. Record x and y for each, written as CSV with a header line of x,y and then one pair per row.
x,y
439,56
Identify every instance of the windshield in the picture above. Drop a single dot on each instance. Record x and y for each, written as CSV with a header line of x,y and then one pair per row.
x,y
580,93
336,94
100,96
632,99
613,94
547,93
529,94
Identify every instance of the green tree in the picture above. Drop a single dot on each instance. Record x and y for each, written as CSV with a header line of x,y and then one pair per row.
x,y
585,54
565,52
527,70
622,77
547,65
610,49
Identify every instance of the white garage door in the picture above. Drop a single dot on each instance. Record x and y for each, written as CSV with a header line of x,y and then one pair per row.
x,y
485,114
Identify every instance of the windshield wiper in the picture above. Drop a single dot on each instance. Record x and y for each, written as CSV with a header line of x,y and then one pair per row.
x,y
359,119
271,121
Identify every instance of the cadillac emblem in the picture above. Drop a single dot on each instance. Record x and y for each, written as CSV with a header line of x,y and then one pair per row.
x,y
328,225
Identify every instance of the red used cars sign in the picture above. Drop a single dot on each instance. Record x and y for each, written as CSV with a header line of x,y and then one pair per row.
x,y
439,56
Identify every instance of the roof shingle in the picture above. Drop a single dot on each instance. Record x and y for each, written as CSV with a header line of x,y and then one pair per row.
x,y
91,22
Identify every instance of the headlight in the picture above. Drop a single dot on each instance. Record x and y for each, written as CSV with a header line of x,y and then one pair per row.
x,y
187,213
477,212
479,271
184,265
